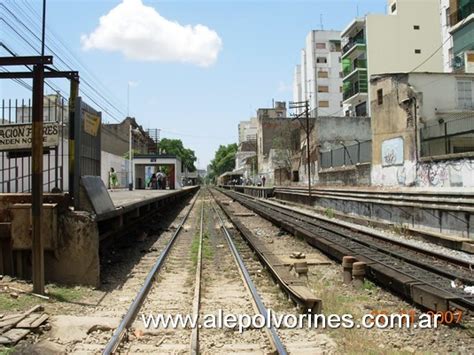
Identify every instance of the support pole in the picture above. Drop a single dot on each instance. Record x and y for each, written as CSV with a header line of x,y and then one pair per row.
x,y
37,179
130,158
73,94
308,151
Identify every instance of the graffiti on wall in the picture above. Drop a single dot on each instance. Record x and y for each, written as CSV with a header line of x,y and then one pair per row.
x,y
445,173
392,151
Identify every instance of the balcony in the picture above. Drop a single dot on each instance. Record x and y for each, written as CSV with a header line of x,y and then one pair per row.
x,y
349,67
352,89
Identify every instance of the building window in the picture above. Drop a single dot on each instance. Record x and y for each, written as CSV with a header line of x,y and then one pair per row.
x,y
320,45
448,17
323,104
341,74
340,88
321,60
417,51
416,27
340,103
380,96
465,94
323,88
323,74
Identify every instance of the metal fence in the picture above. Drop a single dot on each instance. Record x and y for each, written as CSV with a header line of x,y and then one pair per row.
x,y
15,166
448,137
347,155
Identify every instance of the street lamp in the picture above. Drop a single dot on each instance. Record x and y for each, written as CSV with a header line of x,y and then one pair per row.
x,y
130,157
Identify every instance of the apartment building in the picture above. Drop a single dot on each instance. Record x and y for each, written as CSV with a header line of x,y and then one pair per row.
x,y
402,40
460,19
248,130
318,79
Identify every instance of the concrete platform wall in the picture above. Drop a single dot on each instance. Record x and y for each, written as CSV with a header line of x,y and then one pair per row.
x,y
455,223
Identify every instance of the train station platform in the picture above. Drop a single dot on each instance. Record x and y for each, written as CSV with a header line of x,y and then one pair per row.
x,y
72,238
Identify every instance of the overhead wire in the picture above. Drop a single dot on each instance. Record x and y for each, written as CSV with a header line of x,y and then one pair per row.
x,y
87,93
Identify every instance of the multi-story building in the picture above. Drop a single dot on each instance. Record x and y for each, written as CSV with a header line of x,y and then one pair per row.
x,y
248,130
317,79
460,17
446,37
400,41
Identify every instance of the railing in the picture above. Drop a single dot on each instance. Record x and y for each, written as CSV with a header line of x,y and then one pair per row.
x,y
356,64
347,155
15,166
353,88
450,137
358,39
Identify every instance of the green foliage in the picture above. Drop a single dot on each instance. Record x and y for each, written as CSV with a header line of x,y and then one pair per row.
x,y
175,146
135,152
329,212
224,160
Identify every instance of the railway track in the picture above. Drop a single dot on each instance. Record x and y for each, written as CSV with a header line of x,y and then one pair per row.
x,y
183,280
421,276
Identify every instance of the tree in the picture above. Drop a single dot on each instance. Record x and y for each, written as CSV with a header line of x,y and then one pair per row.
x,y
224,160
175,146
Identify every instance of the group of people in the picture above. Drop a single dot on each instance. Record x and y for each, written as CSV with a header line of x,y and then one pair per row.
x,y
157,181
248,182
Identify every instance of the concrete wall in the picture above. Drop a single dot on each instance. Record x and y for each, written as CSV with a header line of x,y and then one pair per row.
x,y
330,131
120,165
392,40
395,145
443,173
115,138
355,175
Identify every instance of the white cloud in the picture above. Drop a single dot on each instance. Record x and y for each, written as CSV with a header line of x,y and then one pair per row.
x,y
141,33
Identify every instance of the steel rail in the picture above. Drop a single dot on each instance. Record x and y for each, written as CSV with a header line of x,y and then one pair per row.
x,y
258,204
275,338
314,304
130,316
197,289
289,212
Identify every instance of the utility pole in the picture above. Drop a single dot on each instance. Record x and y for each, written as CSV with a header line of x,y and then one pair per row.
x,y
37,168
130,158
308,151
305,105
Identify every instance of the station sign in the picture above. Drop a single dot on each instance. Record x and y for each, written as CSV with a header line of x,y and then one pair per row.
x,y
91,124
19,136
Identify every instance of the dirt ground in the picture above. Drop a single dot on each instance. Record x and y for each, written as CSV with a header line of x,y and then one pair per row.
x,y
124,269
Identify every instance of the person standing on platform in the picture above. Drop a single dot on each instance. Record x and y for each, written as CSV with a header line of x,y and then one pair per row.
x,y
113,181
263,180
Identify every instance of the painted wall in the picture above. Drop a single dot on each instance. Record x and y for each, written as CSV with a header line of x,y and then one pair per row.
x,y
120,165
394,156
392,39
445,173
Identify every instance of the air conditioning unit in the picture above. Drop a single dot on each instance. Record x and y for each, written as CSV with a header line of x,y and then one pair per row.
x,y
458,61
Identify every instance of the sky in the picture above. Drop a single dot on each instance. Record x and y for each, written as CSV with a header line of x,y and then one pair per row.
x,y
193,69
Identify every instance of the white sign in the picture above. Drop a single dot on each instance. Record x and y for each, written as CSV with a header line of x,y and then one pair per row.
x,y
392,152
19,136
